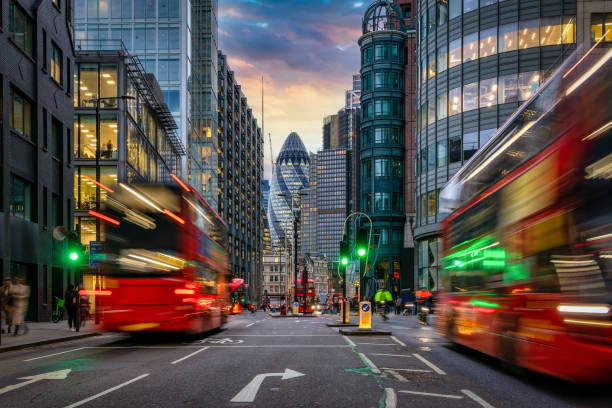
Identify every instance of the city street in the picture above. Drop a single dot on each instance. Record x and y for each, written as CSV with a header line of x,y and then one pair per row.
x,y
277,362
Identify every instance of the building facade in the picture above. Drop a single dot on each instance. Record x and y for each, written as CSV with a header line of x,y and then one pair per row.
x,y
289,181
36,163
240,178
138,137
267,243
275,278
309,213
176,42
477,63
383,101
352,96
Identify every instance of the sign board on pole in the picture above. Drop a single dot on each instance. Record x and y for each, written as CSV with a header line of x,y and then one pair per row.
x,y
296,307
97,255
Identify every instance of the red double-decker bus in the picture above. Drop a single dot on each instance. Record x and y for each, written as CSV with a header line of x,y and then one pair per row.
x,y
310,295
527,244
167,266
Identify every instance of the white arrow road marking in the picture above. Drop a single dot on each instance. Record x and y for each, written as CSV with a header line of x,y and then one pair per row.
x,y
53,375
116,387
249,392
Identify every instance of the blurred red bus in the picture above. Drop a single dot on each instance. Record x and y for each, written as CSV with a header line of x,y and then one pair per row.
x,y
238,294
527,247
167,266
310,295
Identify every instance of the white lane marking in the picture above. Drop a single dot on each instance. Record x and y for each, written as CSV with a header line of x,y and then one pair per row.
x,y
390,355
430,364
390,398
249,325
249,392
244,346
116,387
189,355
431,394
53,375
374,369
396,375
415,370
378,344
349,341
476,398
55,354
285,335
398,341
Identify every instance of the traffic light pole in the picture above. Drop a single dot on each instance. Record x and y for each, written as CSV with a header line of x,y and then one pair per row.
x,y
367,253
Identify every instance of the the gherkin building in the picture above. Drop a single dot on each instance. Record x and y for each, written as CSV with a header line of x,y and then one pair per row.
x,y
290,176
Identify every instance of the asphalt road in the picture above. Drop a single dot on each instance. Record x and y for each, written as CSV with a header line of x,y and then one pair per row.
x,y
278,362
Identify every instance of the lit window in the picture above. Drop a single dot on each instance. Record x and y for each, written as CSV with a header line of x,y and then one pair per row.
x,y
423,70
528,34
601,24
442,58
442,106
528,84
20,115
470,47
454,53
56,63
431,203
454,97
568,33
508,37
508,88
488,42
488,93
470,96
21,28
550,31
431,65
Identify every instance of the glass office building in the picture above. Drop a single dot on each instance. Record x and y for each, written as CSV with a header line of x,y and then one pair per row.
x,y
478,61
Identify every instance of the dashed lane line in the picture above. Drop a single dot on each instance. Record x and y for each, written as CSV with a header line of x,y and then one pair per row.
x,y
476,398
369,362
377,344
189,355
398,341
390,355
431,394
349,341
116,387
429,364
414,370
249,325
396,375
55,354
390,398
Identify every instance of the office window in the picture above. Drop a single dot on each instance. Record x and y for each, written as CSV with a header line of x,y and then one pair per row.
x,y
441,154
469,5
87,84
601,24
484,3
20,198
442,13
406,11
108,85
528,84
431,157
56,63
20,115
382,201
508,37
454,98
568,32
470,96
366,201
470,47
85,136
442,104
442,58
454,8
397,168
488,42
454,149
424,24
423,160
21,29
366,169
508,88
485,135
85,187
431,203
431,19
431,111
431,65
470,144
488,92
550,31
56,138
381,167
454,53
423,70
528,34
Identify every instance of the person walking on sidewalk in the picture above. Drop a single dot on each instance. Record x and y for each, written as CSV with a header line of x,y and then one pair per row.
x,y
19,294
4,305
71,302
398,305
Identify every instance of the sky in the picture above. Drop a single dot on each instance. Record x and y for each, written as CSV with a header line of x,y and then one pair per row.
x,y
305,50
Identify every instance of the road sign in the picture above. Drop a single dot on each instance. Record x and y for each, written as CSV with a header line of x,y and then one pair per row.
x,y
53,375
365,315
296,307
97,255
249,392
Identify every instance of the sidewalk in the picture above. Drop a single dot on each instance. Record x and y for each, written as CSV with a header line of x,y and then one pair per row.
x,y
44,333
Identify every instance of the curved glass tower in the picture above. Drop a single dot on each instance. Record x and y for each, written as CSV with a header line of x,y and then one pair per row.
x,y
478,61
383,60
291,173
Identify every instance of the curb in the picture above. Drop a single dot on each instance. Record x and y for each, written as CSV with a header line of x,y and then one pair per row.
x,y
365,332
50,341
342,325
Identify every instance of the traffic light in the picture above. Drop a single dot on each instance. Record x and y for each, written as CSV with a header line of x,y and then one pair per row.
x,y
76,250
344,253
362,241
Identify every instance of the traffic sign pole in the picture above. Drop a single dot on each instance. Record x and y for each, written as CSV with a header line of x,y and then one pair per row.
x,y
365,316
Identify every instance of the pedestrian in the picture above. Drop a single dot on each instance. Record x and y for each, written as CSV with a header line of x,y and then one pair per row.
x,y
19,295
398,305
4,305
410,301
84,306
71,302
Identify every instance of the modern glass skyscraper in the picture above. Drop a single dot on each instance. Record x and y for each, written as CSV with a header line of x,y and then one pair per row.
x,y
177,42
290,176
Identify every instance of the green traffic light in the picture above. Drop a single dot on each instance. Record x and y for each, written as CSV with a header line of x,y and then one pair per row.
x,y
344,261
361,252
73,256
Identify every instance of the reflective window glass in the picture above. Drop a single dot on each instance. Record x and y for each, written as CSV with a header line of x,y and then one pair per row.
x,y
484,3
469,5
85,132
56,63
431,19
442,13
569,29
454,100
424,160
488,92
454,53
470,47
442,154
85,185
21,28
108,136
423,70
470,96
88,84
431,64
508,37
431,111
454,8
470,144
550,31
488,42
381,167
21,202
528,84
431,203
20,115
108,84
442,58
486,135
529,34
454,149
431,157
508,88
442,106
